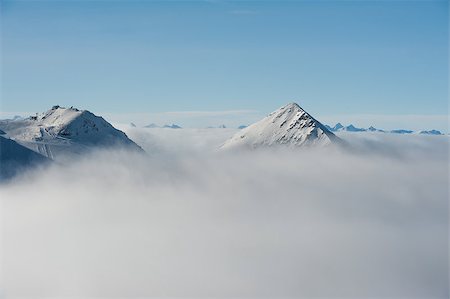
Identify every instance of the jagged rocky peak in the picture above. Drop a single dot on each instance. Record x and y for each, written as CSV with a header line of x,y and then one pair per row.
x,y
289,125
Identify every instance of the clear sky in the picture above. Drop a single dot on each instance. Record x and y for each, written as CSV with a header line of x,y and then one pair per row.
x,y
337,59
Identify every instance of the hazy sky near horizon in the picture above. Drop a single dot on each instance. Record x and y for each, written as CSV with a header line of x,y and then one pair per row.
x,y
384,58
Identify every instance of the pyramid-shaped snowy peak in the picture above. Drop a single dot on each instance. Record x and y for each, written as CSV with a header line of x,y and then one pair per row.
x,y
289,125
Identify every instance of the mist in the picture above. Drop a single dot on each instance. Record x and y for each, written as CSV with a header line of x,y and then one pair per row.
x,y
188,220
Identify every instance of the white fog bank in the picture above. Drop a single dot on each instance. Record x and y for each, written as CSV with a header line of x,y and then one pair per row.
x,y
192,222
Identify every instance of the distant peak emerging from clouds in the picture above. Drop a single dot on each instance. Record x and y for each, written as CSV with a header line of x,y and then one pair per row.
x,y
60,131
351,128
289,125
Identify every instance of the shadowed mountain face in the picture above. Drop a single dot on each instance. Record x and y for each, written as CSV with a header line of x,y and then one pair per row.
x,y
15,158
61,131
288,126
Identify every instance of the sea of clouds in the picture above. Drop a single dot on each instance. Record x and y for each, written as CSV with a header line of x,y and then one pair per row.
x,y
187,220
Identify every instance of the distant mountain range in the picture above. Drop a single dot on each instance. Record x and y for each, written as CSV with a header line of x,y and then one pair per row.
x,y
172,126
336,128
351,128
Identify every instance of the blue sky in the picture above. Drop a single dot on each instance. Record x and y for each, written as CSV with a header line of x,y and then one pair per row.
x,y
338,59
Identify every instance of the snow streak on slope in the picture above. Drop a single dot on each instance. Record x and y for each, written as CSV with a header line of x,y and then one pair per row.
x,y
61,131
290,125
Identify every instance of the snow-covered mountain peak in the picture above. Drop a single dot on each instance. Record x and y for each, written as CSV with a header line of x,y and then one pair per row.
x,y
61,130
58,116
289,125
69,124
289,106
289,110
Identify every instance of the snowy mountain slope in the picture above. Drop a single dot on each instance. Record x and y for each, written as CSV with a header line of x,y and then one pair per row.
x,y
290,125
15,158
61,131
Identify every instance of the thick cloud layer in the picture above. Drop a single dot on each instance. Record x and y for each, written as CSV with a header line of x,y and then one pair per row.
x,y
189,222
